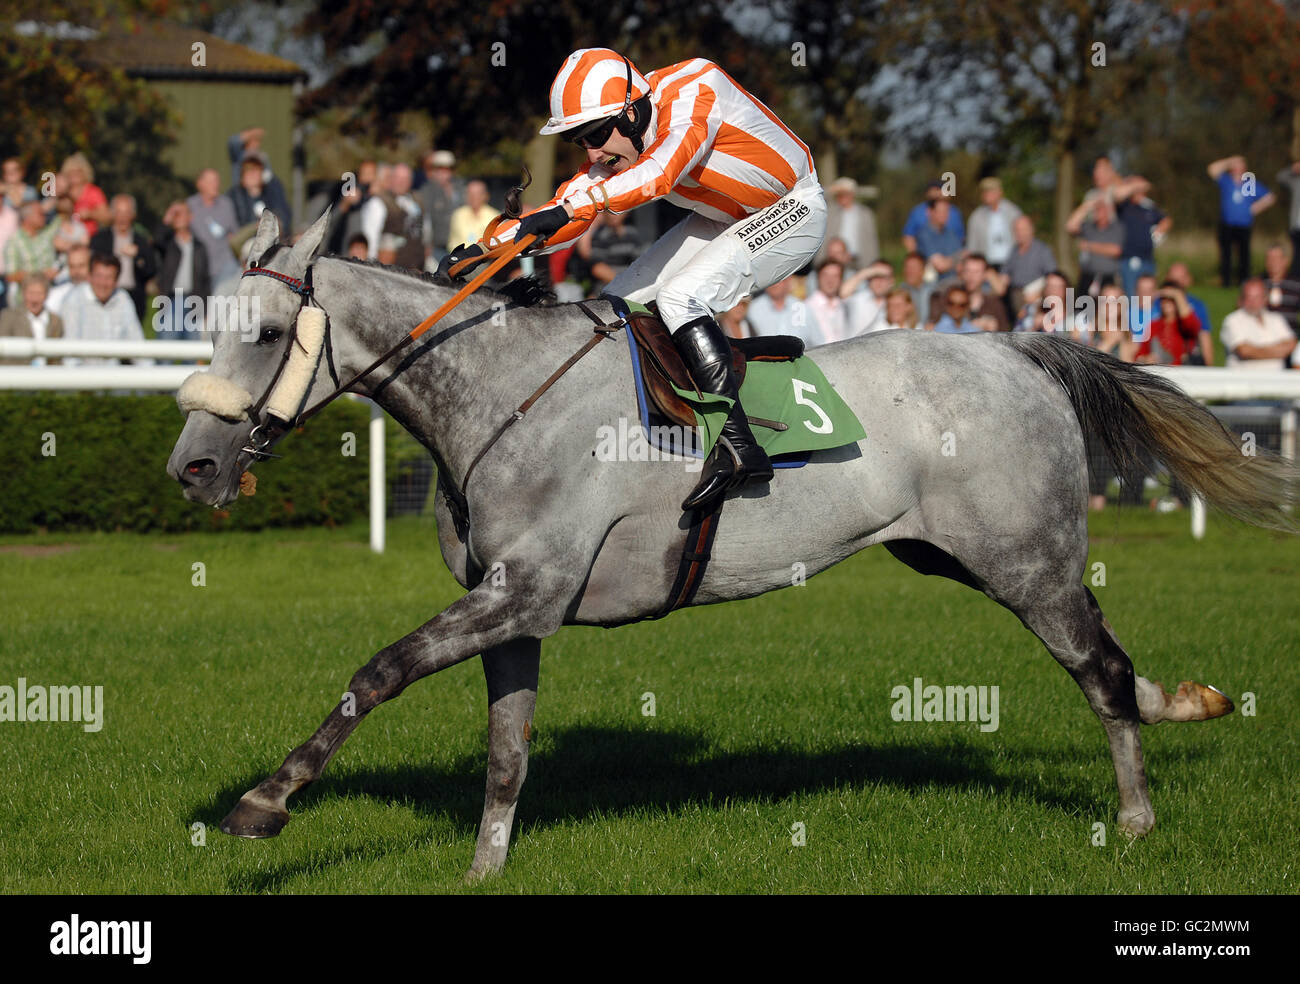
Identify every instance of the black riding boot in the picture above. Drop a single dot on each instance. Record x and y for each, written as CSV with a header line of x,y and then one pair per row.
x,y
737,457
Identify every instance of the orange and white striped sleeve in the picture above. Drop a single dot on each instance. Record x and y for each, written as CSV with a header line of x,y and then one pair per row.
x,y
687,127
568,234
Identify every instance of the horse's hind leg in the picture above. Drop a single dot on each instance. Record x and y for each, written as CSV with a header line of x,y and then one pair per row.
x,y
1071,626
511,672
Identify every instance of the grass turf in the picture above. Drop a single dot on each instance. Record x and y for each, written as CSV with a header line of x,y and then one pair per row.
x,y
770,712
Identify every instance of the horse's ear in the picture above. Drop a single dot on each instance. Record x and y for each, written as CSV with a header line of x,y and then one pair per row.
x,y
309,243
268,234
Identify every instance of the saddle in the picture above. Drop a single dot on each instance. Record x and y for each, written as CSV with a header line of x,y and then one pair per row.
x,y
662,367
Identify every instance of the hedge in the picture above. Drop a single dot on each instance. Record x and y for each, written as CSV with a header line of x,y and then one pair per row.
x,y
108,469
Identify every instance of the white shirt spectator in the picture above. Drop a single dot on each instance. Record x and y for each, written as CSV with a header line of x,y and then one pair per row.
x,y
85,318
791,318
1242,328
830,319
866,313
58,293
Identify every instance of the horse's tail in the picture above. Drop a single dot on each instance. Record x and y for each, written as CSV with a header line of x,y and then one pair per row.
x,y
1135,412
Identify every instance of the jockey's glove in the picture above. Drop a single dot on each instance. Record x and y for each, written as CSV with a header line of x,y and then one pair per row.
x,y
543,223
461,252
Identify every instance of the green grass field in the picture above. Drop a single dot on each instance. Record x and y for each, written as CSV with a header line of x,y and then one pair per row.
x,y
770,712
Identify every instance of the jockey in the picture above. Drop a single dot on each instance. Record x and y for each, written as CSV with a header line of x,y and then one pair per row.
x,y
690,134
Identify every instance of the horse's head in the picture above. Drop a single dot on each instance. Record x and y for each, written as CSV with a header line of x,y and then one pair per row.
x,y
266,352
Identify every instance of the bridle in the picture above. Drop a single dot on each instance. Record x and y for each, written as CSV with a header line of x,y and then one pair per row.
x,y
266,432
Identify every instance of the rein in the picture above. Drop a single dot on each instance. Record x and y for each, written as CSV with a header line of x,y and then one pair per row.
x,y
265,433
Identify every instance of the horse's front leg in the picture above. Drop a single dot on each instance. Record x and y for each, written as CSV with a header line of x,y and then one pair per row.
x,y
486,617
511,672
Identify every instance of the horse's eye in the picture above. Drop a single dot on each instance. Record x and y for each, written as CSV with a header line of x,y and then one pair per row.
x,y
269,336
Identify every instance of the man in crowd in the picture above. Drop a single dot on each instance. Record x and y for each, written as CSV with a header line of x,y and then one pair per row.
x,y
214,223
470,220
1145,226
14,189
777,311
1032,258
919,215
956,319
1181,277
395,212
351,193
248,144
1143,308
1101,242
830,320
915,284
78,274
122,238
866,308
984,290
852,223
989,232
1253,336
609,247
29,250
936,240
253,195
441,194
33,319
99,310
182,274
1282,287
8,226
1241,198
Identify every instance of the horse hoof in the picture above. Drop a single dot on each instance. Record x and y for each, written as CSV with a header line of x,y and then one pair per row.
x,y
249,819
1193,702
1217,703
1137,823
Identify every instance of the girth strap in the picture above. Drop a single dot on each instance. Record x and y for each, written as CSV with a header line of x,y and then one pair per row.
x,y
696,552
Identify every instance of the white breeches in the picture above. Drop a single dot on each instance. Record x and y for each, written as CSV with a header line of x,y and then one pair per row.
x,y
702,267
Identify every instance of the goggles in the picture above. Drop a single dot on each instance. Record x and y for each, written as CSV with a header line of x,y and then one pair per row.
x,y
593,135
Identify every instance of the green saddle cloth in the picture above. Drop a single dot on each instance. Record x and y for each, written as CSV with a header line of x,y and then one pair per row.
x,y
793,393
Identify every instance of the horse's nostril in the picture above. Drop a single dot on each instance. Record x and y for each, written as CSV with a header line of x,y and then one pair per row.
x,y
201,468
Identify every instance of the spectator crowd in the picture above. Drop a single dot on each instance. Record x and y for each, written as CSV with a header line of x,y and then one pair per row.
x,y
77,263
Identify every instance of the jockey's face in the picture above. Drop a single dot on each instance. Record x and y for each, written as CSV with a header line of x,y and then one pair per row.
x,y
617,153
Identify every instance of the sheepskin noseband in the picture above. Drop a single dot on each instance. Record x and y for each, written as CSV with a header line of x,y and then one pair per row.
x,y
300,370
215,394
228,400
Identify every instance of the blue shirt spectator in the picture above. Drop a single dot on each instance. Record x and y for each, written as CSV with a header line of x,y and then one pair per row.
x,y
917,217
1236,196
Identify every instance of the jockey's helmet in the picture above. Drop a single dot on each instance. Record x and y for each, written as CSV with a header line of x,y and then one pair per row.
x,y
591,95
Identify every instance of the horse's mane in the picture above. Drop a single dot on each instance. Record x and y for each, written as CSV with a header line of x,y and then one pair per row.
x,y
521,292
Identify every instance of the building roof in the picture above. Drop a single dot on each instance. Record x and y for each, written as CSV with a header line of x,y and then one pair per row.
x,y
164,50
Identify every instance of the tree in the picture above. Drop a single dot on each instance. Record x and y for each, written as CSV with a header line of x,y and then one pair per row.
x,y
1253,45
1060,68
54,101
481,71
834,52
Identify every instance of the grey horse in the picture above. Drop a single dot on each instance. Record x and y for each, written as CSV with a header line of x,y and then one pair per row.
x,y
973,468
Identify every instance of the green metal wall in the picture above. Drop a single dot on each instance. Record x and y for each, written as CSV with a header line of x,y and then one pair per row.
x,y
212,110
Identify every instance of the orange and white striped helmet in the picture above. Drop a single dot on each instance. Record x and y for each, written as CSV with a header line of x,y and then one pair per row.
x,y
592,84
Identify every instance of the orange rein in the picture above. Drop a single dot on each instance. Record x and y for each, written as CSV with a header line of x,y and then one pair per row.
x,y
500,256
